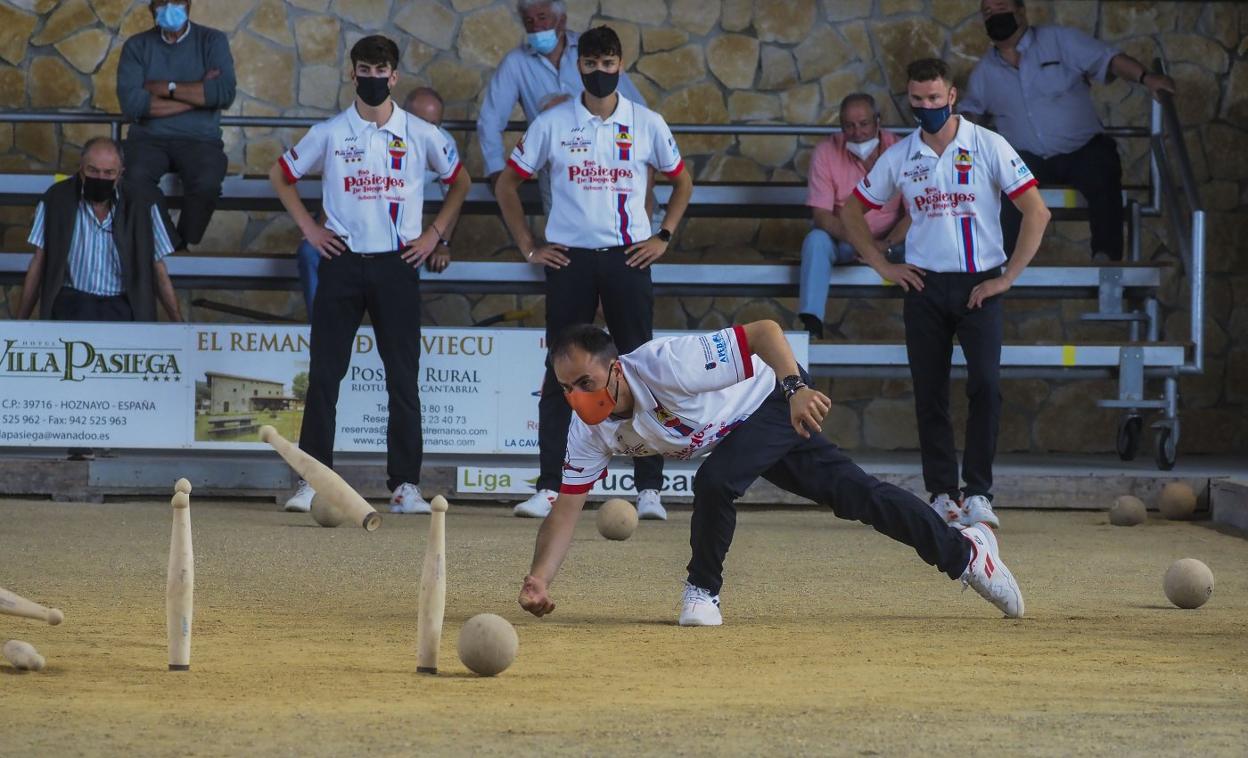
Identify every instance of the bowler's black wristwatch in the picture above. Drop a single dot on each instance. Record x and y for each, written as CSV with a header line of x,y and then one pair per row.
x,y
791,385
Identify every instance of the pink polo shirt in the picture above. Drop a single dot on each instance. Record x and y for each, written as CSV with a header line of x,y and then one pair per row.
x,y
834,172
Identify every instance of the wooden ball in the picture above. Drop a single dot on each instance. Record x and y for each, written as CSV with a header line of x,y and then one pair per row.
x,y
182,485
488,644
1128,510
1188,583
1177,501
617,519
326,513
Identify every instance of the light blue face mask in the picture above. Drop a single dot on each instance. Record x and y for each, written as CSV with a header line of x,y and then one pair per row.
x,y
171,17
543,41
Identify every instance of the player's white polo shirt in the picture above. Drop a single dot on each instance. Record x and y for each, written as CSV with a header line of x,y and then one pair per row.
x,y
598,170
373,180
954,199
689,393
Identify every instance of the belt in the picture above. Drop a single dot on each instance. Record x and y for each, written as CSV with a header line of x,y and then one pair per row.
x,y
615,249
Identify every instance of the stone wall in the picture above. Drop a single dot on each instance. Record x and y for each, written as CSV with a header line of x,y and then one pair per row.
x,y
707,61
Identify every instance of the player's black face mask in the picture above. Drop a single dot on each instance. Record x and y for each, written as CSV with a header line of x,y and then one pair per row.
x,y
373,90
97,190
599,83
1001,26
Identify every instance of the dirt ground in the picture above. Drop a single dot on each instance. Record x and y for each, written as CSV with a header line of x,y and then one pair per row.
x,y
836,641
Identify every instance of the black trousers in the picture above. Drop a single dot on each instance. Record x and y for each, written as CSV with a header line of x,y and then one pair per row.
x,y
75,305
933,318
389,290
200,165
572,295
766,445
1096,171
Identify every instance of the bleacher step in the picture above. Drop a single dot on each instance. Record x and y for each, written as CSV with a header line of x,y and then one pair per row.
x,y
1228,499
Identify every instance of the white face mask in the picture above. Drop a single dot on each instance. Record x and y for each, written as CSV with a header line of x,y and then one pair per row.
x,y
863,149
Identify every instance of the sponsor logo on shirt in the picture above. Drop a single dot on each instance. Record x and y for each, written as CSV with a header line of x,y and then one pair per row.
x,y
350,153
366,185
916,174
576,143
672,422
707,355
721,347
591,175
935,202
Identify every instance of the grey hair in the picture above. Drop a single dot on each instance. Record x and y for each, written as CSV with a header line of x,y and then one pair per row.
x,y
424,92
96,141
859,97
558,6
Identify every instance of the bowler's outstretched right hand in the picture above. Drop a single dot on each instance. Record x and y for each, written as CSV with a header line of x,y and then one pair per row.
x,y
534,598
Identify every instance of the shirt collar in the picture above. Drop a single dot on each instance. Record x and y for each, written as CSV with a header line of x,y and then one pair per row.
x,y
1024,42
397,125
181,36
623,113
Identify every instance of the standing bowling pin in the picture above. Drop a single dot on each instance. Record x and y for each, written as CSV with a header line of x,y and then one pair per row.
x,y
180,590
432,591
23,656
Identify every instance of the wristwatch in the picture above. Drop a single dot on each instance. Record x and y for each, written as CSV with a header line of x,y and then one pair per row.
x,y
791,385
664,235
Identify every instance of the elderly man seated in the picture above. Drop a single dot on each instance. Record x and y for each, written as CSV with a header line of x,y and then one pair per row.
x,y
839,163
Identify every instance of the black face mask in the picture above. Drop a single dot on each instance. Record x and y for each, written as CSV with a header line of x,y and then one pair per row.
x,y
1001,26
373,90
96,190
599,83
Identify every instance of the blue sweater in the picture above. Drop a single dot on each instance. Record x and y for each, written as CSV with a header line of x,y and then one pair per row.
x,y
146,57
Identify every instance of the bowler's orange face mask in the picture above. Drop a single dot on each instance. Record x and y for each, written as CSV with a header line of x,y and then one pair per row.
x,y
594,406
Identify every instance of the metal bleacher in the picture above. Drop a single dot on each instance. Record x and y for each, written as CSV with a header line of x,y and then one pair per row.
x,y
1123,292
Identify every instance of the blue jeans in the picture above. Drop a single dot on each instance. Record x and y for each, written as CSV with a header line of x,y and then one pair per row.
x,y
820,252
308,259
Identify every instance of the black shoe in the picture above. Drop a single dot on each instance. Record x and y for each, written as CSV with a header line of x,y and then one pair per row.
x,y
812,324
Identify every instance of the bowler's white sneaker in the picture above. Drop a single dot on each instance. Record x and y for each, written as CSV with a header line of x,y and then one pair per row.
x,y
649,506
699,608
947,507
407,499
988,575
977,509
537,506
301,501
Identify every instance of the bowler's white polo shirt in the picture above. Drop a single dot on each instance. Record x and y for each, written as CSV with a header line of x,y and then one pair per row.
x,y
598,170
373,180
689,393
954,199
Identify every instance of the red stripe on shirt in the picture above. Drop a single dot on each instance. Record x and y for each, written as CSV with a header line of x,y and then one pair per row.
x,y
581,489
867,201
519,169
1026,186
968,244
290,175
743,345
454,174
676,171
621,205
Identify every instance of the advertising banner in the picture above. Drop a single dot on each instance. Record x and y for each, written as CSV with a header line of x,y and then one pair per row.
x,y
212,386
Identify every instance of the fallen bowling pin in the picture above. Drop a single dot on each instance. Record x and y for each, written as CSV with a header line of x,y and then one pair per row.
x,y
13,604
23,656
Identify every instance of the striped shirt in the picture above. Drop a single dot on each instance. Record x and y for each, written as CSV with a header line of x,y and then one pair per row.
x,y
94,266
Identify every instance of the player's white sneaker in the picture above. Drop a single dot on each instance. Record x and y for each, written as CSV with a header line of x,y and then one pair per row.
x,y
988,575
977,509
699,608
537,506
947,507
301,501
407,499
650,507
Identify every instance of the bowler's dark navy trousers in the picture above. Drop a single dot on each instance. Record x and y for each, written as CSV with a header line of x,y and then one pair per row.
x,y
766,445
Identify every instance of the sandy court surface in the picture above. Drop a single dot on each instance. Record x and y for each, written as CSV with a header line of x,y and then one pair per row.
x,y
836,641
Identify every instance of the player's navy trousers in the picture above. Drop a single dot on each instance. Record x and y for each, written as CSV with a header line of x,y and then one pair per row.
x,y
766,445
572,297
388,289
933,318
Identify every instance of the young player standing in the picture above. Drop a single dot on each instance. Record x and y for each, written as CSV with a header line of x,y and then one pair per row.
x,y
373,242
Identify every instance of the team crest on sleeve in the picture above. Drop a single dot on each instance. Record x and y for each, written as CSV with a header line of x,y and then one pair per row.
x,y
294,153
962,165
1017,164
